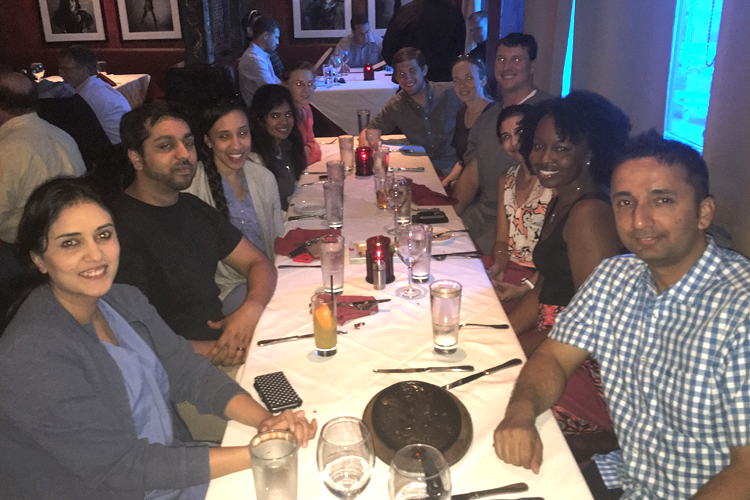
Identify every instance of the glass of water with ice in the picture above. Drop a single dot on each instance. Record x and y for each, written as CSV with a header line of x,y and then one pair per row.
x,y
346,456
419,471
274,461
332,262
445,303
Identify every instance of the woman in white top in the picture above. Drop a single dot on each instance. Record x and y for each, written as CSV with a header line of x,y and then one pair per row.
x,y
520,217
235,181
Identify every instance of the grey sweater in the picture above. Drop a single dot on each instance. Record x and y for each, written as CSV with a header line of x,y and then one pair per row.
x,y
66,429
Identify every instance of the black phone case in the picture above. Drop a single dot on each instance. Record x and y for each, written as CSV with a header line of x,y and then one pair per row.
x,y
438,217
276,392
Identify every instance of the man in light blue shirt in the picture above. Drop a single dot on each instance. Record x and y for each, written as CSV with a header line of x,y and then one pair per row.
x,y
362,46
670,329
255,67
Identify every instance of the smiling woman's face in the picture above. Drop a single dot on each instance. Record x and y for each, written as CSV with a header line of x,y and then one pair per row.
x,y
82,253
556,162
279,122
466,81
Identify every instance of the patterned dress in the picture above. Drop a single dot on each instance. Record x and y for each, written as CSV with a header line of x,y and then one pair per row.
x,y
525,220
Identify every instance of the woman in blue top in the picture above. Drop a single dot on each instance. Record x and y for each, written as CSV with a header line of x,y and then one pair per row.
x,y
90,373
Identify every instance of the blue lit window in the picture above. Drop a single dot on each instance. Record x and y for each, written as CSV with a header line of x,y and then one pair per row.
x,y
696,31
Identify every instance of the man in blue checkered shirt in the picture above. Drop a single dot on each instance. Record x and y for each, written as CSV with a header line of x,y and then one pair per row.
x,y
670,328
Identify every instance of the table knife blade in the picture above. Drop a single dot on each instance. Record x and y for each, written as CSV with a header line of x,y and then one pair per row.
x,y
430,369
262,343
511,488
466,380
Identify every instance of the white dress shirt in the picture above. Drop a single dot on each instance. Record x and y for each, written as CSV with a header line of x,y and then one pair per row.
x,y
108,104
359,55
255,70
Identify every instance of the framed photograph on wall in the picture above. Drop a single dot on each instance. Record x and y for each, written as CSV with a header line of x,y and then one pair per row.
x,y
149,19
321,18
72,20
380,12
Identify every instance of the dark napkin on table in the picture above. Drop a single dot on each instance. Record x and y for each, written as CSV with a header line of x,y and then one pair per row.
x,y
424,196
346,313
295,237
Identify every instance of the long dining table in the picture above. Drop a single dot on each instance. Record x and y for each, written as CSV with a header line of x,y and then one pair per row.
x,y
399,335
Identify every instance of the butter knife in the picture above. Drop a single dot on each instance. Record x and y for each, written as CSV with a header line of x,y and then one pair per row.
x,y
427,369
511,488
406,169
466,380
262,343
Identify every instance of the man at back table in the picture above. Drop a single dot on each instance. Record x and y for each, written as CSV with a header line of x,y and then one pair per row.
x,y
485,159
171,242
362,45
669,327
77,66
255,67
424,111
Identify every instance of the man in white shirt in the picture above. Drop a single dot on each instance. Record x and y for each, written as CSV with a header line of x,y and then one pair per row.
x,y
255,67
77,65
363,46
31,152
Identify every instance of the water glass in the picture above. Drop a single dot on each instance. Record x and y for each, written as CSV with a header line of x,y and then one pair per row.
x,y
336,171
332,262
323,309
410,244
380,160
382,181
372,136
345,456
421,271
327,77
419,471
403,214
363,118
334,196
274,461
387,152
346,150
445,304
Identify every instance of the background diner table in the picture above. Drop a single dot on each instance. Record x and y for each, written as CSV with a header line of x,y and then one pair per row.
x,y
341,102
399,335
133,87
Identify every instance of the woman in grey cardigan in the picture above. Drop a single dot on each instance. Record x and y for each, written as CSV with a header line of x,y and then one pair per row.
x,y
89,373
234,181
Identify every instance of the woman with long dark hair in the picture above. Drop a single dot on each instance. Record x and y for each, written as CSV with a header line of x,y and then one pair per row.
x,y
300,80
277,139
234,180
91,373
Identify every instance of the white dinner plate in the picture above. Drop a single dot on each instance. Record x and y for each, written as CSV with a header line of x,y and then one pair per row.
x,y
444,238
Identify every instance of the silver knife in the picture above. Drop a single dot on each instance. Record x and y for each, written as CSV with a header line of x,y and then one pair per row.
x,y
406,169
262,343
430,369
511,488
466,380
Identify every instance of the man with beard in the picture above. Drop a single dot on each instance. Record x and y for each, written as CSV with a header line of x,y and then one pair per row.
x,y
171,242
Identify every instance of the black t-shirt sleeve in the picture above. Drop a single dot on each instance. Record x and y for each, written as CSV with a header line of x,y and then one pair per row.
x,y
227,236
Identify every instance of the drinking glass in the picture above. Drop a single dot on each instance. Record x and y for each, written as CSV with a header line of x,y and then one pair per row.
x,y
382,181
336,171
327,77
345,456
411,242
363,118
419,471
396,192
334,198
37,69
346,150
335,63
274,462
445,306
372,136
332,262
323,309
421,271
344,62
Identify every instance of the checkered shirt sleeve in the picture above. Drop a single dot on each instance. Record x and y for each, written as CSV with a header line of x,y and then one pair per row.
x,y
675,366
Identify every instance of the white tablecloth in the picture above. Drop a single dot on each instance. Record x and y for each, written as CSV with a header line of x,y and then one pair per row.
x,y
133,87
341,102
399,335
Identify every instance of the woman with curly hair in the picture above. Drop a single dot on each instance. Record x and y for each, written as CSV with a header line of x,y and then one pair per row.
x,y
277,139
571,144
236,182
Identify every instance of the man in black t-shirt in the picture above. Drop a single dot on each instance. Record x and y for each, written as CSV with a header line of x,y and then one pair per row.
x,y
171,242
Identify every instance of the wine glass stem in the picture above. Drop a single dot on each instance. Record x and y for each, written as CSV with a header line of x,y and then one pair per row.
x,y
410,266
395,218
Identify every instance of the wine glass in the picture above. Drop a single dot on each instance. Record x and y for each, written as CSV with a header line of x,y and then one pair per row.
x,y
419,471
37,69
411,242
335,63
396,192
345,456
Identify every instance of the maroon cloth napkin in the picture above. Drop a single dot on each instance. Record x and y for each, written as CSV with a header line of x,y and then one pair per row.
x,y
292,239
346,313
424,196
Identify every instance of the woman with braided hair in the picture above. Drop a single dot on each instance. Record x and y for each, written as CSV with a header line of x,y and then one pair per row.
x,y
236,182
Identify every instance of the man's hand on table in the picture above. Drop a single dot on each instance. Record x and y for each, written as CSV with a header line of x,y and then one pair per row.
x,y
517,440
239,327
295,422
